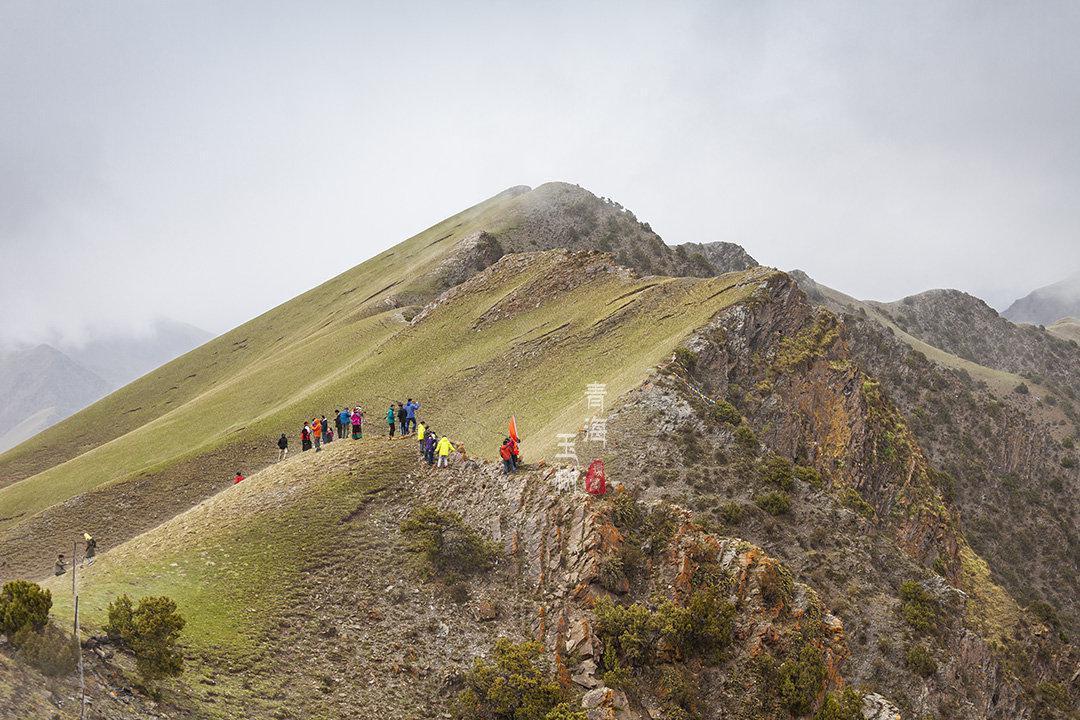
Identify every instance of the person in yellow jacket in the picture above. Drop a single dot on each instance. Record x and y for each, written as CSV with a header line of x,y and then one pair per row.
x,y
421,429
443,449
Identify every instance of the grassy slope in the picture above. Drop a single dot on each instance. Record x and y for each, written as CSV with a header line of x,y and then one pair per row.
x,y
229,561
1066,329
268,375
269,340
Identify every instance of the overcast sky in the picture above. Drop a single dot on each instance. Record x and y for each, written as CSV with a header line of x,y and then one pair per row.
x,y
206,161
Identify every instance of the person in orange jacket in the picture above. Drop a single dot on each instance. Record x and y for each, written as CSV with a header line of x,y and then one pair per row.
x,y
507,455
316,433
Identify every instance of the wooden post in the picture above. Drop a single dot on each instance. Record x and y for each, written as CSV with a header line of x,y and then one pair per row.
x,y
78,640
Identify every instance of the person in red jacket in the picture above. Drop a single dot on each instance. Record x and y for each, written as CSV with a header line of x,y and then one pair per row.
x,y
238,478
507,455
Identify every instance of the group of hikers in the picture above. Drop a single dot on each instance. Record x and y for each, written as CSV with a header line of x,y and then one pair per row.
x,y
401,418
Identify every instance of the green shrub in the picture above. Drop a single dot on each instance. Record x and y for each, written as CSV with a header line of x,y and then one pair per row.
x,y
151,631
731,512
775,502
920,661
50,650
712,621
687,358
800,679
445,545
918,608
843,705
850,498
515,684
1068,462
23,604
808,475
633,632
678,689
1052,694
776,584
612,573
724,412
777,470
746,439
1021,389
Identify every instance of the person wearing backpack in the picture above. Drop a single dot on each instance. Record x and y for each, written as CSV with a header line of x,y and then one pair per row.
x,y
91,549
390,419
283,447
430,440
305,438
403,419
507,455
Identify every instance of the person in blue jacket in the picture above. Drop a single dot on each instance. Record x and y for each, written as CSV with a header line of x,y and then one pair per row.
x,y
410,415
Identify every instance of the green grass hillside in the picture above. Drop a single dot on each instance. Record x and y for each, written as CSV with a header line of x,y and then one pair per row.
x,y
526,338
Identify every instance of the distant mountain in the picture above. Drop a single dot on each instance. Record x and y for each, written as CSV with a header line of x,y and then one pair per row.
x,y
1048,304
40,386
121,358
967,327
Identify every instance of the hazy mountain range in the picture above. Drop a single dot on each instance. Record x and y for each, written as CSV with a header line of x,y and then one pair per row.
x,y
1049,304
41,385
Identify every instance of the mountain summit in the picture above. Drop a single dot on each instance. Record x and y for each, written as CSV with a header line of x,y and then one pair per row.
x,y
778,536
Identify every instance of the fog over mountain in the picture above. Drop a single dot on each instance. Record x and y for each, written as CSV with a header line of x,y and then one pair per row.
x,y
42,384
206,162
1048,304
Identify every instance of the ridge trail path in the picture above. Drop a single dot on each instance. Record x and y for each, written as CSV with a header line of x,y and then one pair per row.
x,y
302,564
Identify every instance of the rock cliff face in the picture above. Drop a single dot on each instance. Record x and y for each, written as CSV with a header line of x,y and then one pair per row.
x,y
560,215
826,474
967,327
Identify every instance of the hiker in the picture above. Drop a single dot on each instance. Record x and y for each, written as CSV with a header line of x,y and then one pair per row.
x,y
515,452
305,438
420,430
403,419
61,565
410,414
429,446
328,437
444,448
316,434
283,447
337,423
91,548
357,421
390,419
507,455
238,479
344,419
